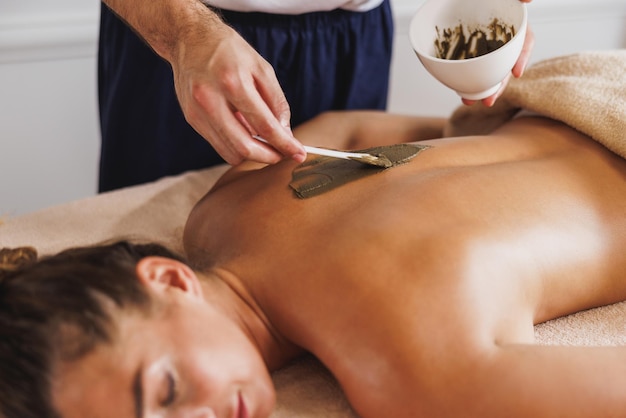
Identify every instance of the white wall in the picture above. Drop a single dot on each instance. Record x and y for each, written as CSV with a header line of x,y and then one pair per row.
x,y
49,138
48,117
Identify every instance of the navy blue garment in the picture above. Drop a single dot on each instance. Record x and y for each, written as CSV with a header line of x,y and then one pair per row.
x,y
323,61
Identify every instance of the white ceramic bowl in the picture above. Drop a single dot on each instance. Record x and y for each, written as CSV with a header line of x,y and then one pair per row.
x,y
472,78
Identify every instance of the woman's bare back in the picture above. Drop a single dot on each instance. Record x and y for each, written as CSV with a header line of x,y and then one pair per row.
x,y
389,278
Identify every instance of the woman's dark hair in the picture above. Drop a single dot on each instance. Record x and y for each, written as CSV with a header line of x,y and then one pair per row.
x,y
58,309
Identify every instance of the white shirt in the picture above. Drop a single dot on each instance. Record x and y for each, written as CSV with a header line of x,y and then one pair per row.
x,y
293,7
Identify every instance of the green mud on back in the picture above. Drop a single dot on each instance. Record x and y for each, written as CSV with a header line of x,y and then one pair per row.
x,y
322,174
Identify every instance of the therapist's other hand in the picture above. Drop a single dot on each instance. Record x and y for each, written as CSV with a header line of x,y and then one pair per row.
x,y
518,68
221,79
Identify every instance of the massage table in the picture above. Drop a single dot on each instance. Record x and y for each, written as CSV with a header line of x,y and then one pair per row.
x,y
157,212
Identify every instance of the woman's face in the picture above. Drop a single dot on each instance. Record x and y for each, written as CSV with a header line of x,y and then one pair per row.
x,y
189,361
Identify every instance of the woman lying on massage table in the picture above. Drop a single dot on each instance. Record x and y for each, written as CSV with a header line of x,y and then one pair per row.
x,y
417,286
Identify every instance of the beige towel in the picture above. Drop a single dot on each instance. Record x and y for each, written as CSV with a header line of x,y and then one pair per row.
x,y
587,91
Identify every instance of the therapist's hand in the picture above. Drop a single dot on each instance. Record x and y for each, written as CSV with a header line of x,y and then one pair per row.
x,y
518,68
228,92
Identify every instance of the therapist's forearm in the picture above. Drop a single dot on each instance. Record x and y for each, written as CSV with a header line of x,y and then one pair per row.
x,y
167,25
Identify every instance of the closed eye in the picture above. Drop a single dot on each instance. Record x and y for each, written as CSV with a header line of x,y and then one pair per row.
x,y
170,394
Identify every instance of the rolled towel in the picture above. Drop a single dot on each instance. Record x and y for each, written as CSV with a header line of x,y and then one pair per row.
x,y
587,91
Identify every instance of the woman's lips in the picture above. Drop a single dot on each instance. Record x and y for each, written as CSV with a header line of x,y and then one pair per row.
x,y
242,412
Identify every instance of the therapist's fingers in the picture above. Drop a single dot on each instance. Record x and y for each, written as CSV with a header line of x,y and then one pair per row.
x,y
207,109
266,113
529,43
214,83
215,120
491,100
273,95
249,85
522,61
517,71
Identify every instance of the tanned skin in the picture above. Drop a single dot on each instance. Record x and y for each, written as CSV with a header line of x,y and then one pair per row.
x,y
419,287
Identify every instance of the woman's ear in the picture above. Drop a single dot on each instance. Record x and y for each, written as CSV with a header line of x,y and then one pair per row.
x,y
162,273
